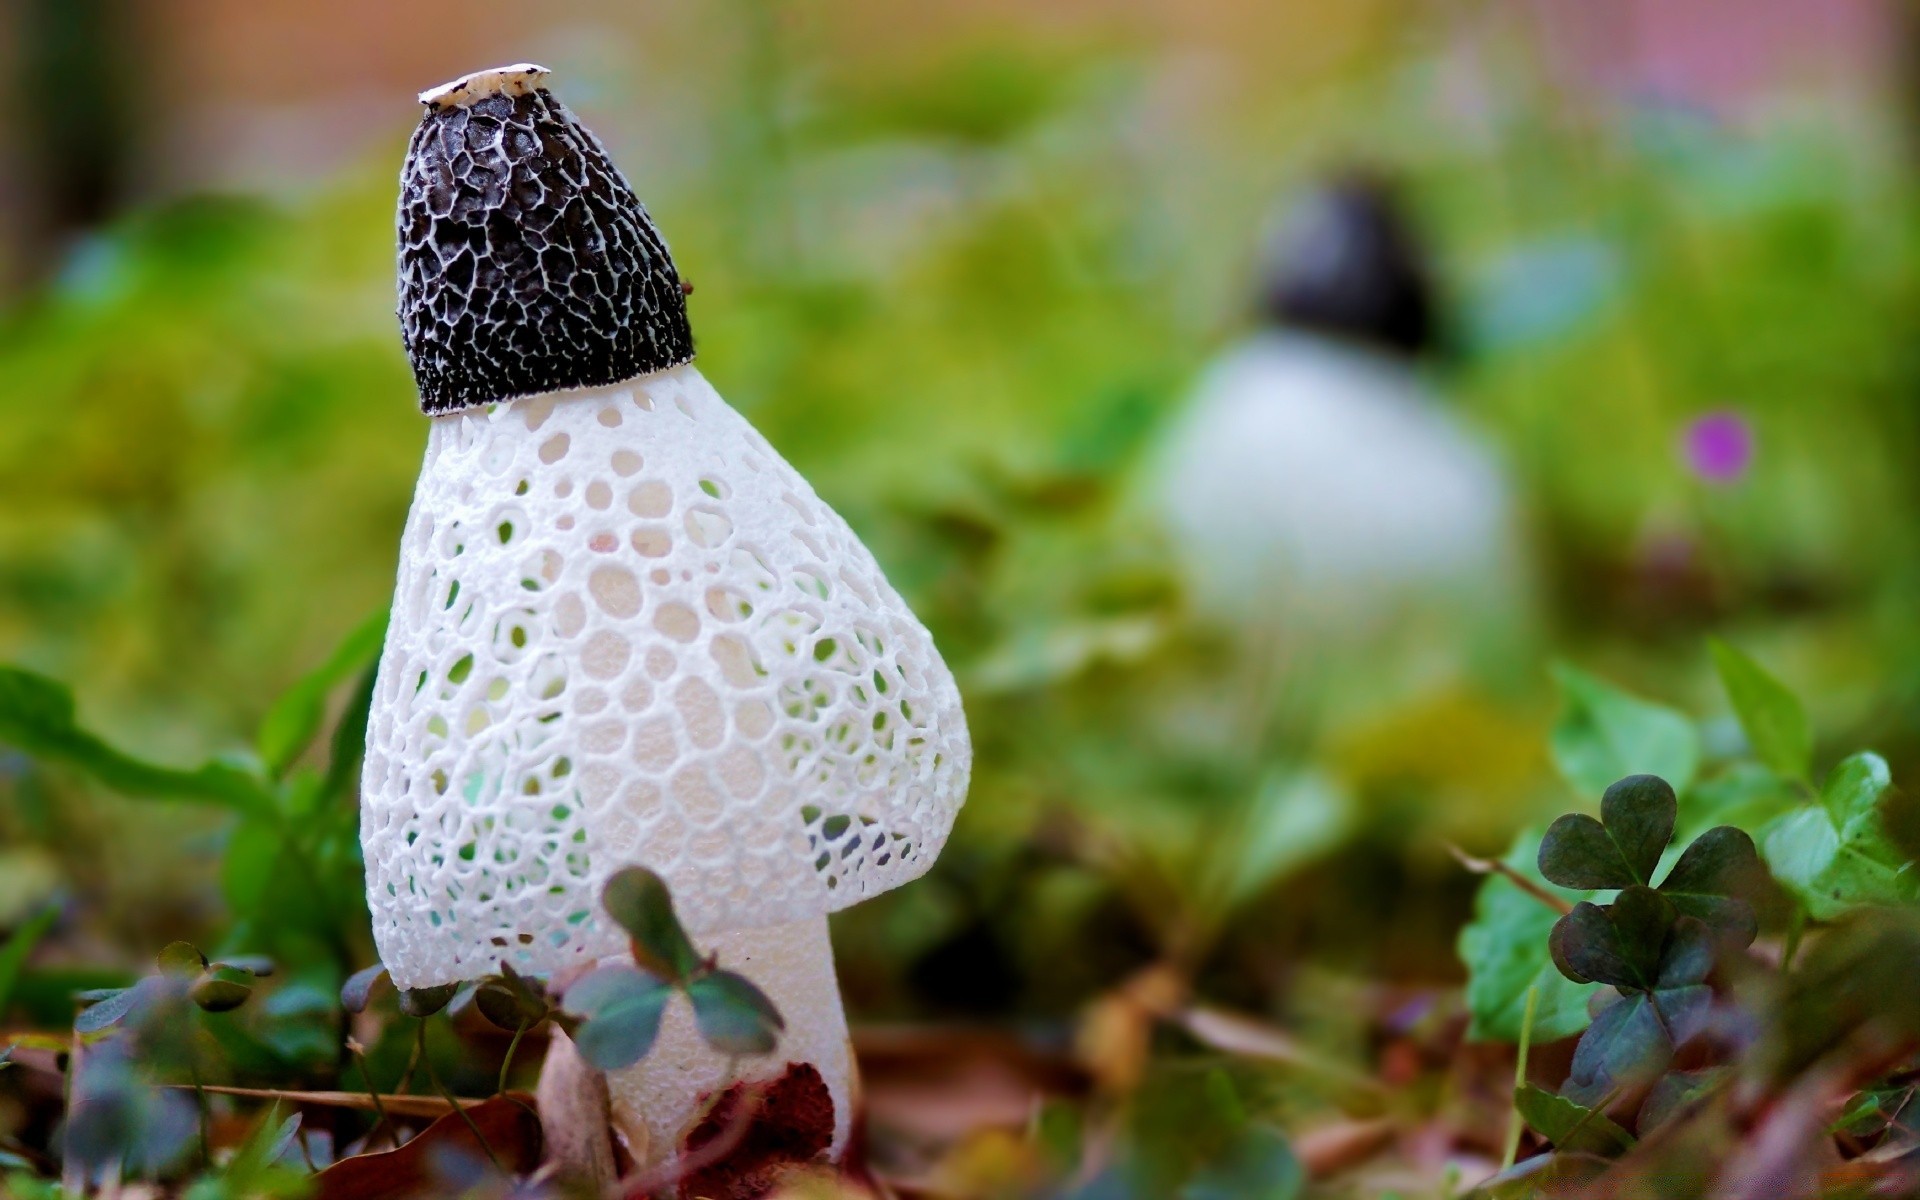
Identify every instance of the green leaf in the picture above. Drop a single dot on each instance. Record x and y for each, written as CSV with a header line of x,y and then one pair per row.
x,y
1837,855
1257,1164
221,989
1745,795
350,739
290,725
638,902
37,717
181,959
1688,956
1774,721
258,965
1675,1092
251,864
357,992
269,1142
1604,734
512,1001
1639,812
13,955
1059,1131
1619,944
1717,880
1623,847
1577,853
1563,1174
1291,819
114,1008
734,1016
1855,787
1630,1044
426,1001
619,1008
1570,1126
1504,948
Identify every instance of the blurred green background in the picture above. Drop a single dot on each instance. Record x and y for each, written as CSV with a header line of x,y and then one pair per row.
x,y
961,264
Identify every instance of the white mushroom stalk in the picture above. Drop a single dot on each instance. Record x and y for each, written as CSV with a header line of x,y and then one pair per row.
x,y
626,632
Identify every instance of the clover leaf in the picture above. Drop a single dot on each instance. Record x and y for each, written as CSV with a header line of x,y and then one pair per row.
x,y
1623,847
1715,879
1655,946
734,1016
1713,882
638,901
1633,1040
1619,944
1840,853
614,1014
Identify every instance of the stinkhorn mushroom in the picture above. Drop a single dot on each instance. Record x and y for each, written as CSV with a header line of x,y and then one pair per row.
x,y
1314,486
626,631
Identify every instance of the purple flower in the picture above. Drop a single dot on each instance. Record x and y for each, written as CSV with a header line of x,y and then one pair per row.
x,y
1719,446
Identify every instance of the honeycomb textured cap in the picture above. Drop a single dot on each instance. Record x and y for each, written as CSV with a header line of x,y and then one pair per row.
x,y
627,632
527,264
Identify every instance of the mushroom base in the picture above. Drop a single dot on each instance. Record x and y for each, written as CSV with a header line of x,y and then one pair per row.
x,y
659,1103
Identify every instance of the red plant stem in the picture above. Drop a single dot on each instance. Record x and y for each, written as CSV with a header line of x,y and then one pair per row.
x,y
1491,866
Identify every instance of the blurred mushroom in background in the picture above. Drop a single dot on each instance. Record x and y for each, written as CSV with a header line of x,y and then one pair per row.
x,y
1324,504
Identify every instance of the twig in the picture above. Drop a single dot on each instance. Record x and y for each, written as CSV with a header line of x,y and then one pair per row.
x,y
396,1106
399,1089
506,1064
433,1077
373,1093
1492,866
1330,1149
413,1063
1244,1036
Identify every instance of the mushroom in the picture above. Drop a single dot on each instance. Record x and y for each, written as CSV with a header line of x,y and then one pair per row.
x,y
625,631
1315,486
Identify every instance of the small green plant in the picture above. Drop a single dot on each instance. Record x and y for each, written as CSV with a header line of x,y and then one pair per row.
x,y
291,869
137,1035
612,1012
1672,999
1654,945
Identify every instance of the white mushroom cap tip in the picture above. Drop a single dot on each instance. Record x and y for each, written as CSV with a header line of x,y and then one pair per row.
x,y
515,80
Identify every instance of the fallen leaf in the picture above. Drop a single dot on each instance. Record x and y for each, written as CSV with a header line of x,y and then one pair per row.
x,y
508,1123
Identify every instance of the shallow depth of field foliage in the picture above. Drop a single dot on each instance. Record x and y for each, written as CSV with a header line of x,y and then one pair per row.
x,y
1245,941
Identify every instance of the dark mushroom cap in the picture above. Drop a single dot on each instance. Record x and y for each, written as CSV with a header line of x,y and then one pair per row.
x,y
1346,262
527,264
